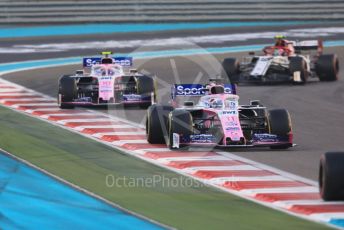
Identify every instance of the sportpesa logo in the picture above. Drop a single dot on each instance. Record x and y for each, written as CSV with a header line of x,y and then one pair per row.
x,y
190,90
198,89
123,61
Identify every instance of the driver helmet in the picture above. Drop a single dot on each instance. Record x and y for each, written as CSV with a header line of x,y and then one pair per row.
x,y
280,40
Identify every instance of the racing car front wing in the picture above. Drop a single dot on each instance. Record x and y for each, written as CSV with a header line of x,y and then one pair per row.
x,y
258,140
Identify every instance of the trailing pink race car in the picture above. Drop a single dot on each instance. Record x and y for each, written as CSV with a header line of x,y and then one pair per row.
x,y
103,81
210,115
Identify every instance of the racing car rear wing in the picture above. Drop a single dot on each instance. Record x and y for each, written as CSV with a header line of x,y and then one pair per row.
x,y
123,61
308,45
187,90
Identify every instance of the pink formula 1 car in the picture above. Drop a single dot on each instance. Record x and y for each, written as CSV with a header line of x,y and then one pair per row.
x,y
105,81
210,115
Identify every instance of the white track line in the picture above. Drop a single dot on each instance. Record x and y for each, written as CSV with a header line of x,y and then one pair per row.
x,y
176,159
221,180
290,203
100,135
121,143
220,168
34,104
81,128
63,122
47,116
327,216
304,189
143,151
8,90
18,94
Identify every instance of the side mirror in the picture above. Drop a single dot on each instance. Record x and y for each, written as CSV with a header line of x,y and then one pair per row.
x,y
79,72
188,103
255,103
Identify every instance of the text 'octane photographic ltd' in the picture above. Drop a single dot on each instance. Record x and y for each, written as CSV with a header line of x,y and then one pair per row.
x,y
162,181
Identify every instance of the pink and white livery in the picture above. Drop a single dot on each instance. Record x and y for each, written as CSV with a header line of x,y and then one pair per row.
x,y
211,116
103,81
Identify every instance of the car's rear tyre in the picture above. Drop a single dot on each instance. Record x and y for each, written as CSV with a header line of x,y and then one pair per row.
x,y
231,67
279,123
180,122
67,92
327,67
331,171
298,64
156,123
146,87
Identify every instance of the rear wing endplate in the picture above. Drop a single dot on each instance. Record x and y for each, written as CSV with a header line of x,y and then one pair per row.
x,y
308,45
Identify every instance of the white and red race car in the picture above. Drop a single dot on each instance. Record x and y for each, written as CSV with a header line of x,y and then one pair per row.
x,y
297,63
104,80
213,117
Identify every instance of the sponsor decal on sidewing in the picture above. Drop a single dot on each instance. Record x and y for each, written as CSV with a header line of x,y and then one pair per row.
x,y
232,129
84,99
265,137
202,138
132,97
230,112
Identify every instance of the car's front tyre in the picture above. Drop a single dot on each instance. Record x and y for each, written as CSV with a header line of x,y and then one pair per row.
x,y
331,171
156,123
279,122
67,92
181,124
298,65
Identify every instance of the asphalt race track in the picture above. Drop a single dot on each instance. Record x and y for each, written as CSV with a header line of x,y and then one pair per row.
x,y
316,108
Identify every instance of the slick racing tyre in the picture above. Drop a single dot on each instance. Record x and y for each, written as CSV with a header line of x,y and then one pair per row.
x,y
67,91
231,69
331,171
327,67
145,86
279,123
156,123
298,64
180,122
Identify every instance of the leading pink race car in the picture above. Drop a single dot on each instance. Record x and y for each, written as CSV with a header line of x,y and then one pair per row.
x,y
210,115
